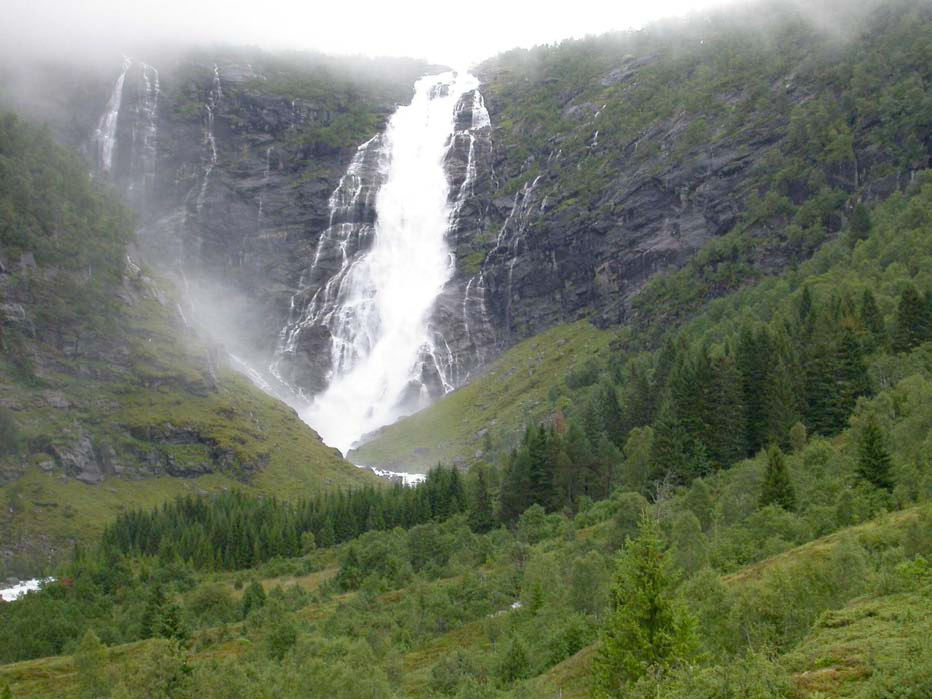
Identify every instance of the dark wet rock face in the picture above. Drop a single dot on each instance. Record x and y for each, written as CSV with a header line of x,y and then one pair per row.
x,y
233,164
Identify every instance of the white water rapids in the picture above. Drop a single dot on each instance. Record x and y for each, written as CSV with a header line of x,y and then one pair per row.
x,y
379,318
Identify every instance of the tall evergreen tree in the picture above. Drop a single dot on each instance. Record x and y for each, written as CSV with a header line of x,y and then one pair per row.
x,y
754,358
649,628
874,463
872,319
481,515
860,223
516,485
90,660
777,489
910,328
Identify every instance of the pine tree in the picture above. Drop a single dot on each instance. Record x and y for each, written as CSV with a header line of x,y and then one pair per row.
x,y
649,628
874,463
860,223
253,598
171,623
805,314
516,486
90,659
725,414
150,616
872,319
481,516
613,422
777,489
910,328
540,468
515,664
754,356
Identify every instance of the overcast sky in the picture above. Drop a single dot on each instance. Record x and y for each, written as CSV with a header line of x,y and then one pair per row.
x,y
445,32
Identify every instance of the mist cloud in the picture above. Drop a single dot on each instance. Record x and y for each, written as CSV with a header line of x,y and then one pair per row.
x,y
452,33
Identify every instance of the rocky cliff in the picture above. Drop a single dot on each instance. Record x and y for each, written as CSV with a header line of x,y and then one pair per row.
x,y
581,174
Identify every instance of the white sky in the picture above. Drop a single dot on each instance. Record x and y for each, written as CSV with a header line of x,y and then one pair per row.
x,y
444,32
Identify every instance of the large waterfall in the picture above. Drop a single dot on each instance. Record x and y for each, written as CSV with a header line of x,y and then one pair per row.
x,y
378,303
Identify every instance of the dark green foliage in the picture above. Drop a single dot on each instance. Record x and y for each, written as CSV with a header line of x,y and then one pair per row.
x,y
234,530
872,320
253,598
860,223
777,489
171,624
51,209
151,617
649,628
514,664
874,463
90,660
481,510
912,325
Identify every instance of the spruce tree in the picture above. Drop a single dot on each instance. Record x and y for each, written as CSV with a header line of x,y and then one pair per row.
x,y
754,354
909,329
516,486
90,660
725,413
777,489
872,319
649,629
481,516
253,598
874,463
860,223
151,613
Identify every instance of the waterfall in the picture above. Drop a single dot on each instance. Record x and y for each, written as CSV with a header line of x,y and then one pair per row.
x,y
375,298
265,182
145,134
213,98
105,135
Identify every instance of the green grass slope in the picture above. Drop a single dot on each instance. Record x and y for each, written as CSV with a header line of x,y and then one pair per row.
x,y
465,425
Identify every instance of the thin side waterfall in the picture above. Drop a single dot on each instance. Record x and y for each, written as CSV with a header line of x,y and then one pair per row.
x,y
145,131
265,182
210,142
377,302
105,134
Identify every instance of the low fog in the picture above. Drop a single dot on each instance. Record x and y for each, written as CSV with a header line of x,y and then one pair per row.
x,y
439,32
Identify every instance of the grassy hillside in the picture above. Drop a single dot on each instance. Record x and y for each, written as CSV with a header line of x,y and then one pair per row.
x,y
858,641
479,419
108,399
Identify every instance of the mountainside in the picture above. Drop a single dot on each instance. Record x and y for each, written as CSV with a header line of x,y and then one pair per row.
x,y
735,144
760,128
228,157
108,397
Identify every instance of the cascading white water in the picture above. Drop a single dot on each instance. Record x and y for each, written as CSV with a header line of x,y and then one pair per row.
x,y
265,182
105,135
377,307
213,98
145,130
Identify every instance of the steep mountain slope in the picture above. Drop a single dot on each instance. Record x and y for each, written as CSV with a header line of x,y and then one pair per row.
x,y
108,398
730,146
228,156
681,164
758,128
